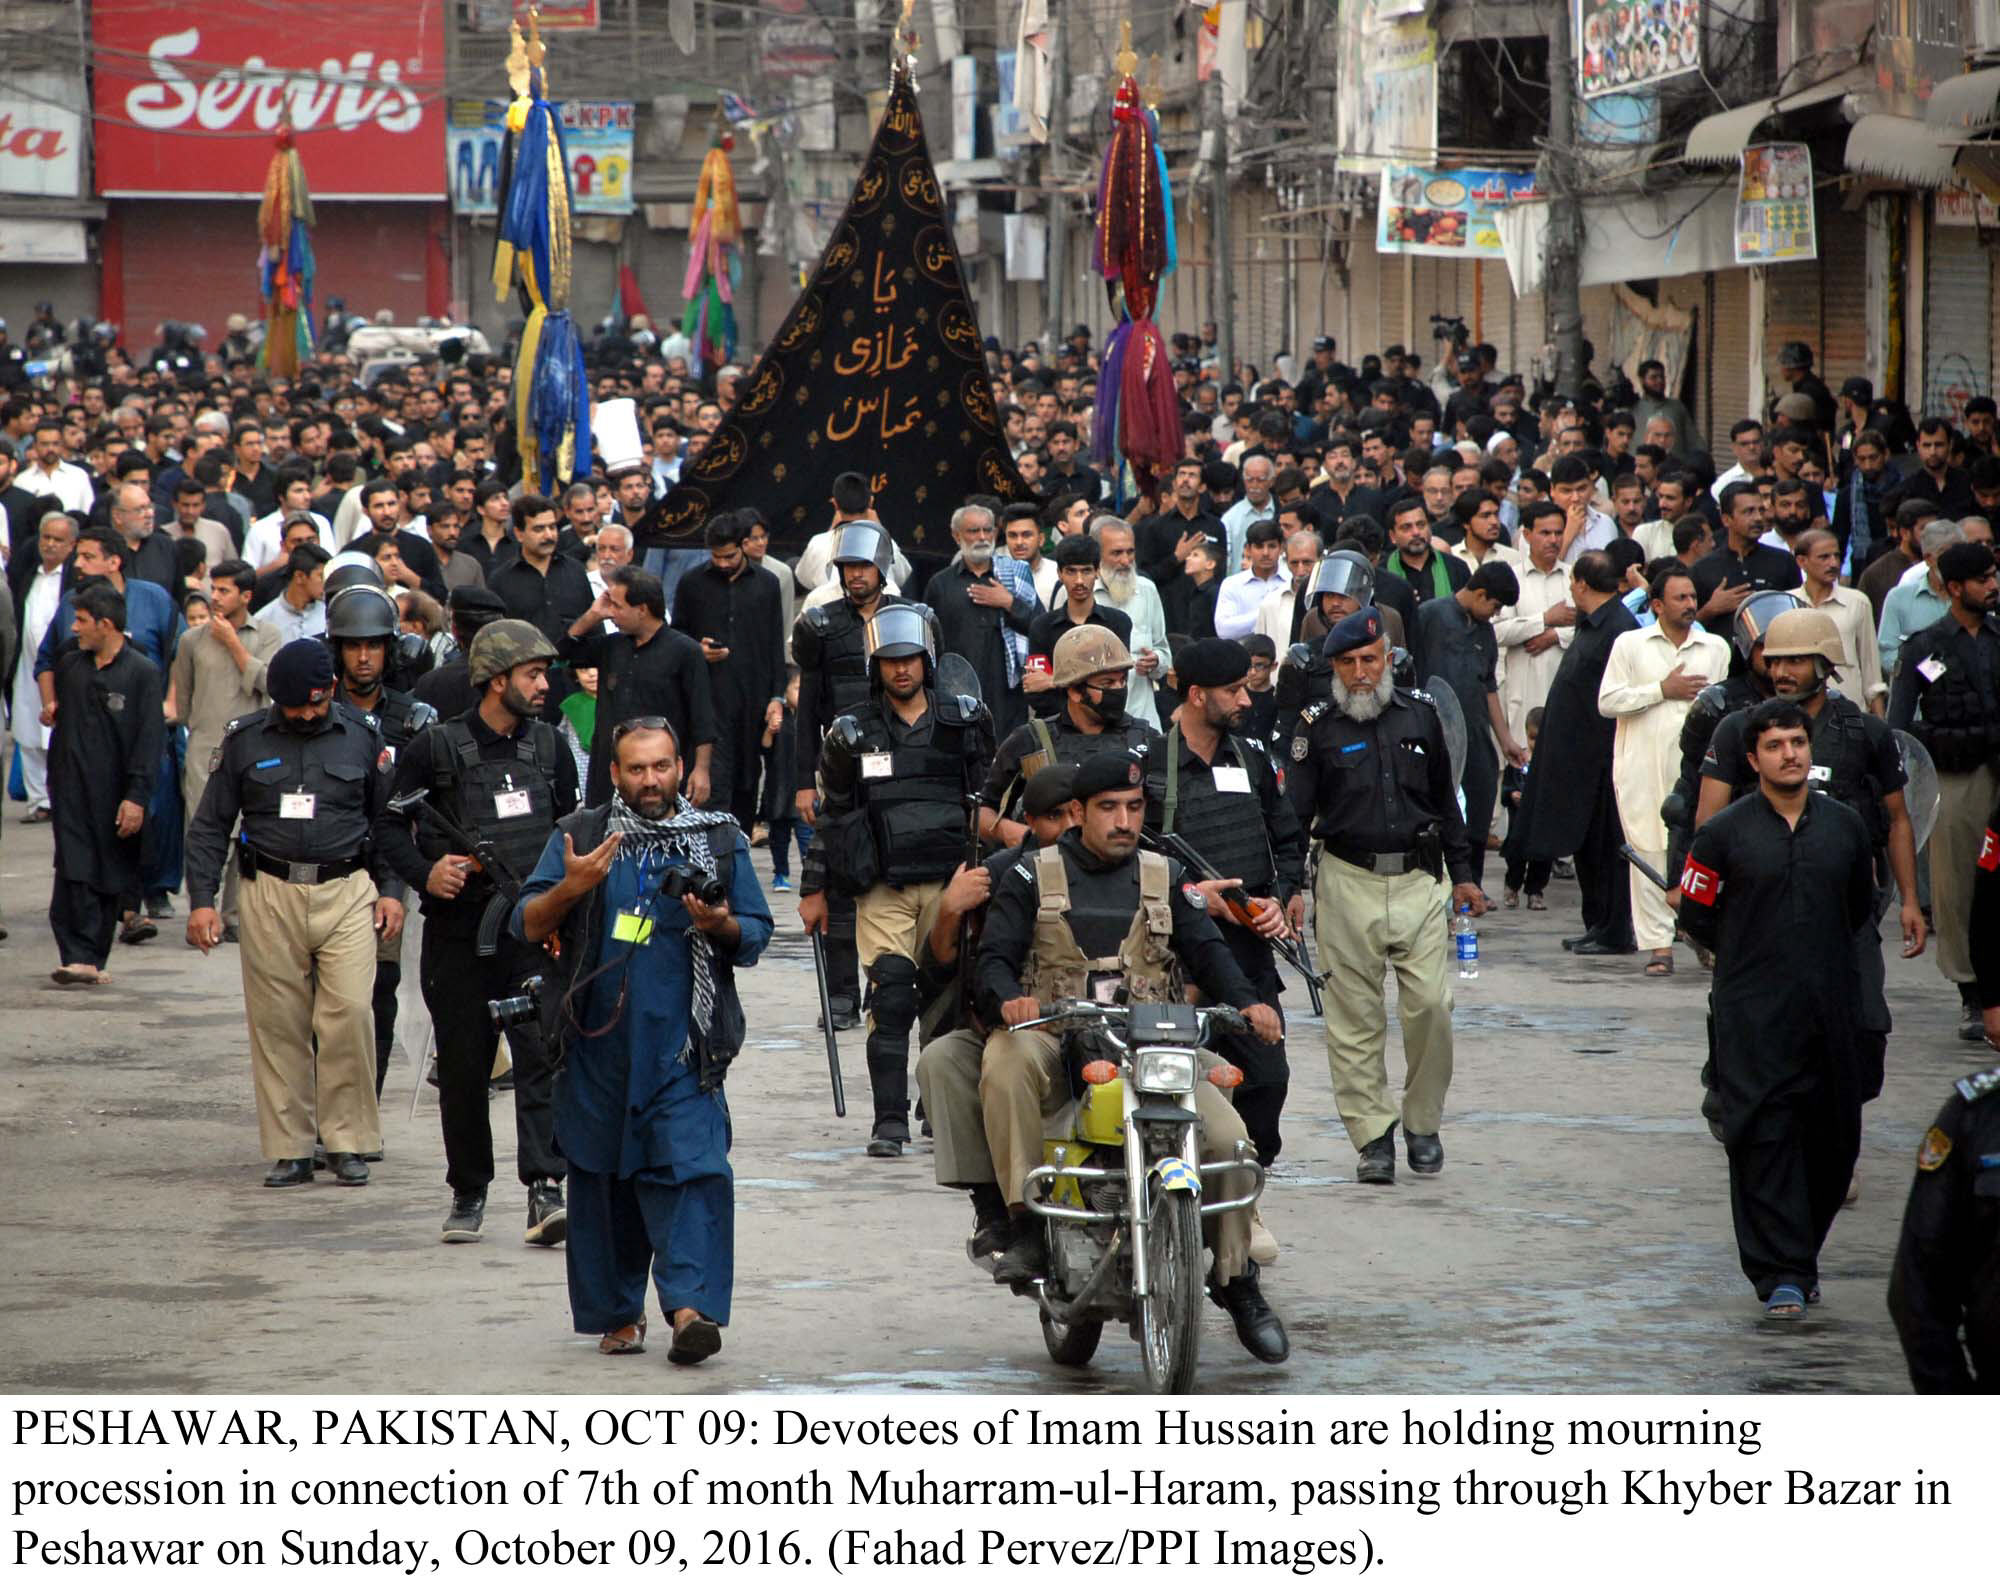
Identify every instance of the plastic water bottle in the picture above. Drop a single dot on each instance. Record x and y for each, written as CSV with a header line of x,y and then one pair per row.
x,y
1466,937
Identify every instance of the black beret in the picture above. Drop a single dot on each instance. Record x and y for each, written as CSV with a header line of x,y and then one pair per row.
x,y
1049,789
1965,562
466,598
1106,770
1213,661
300,672
1357,630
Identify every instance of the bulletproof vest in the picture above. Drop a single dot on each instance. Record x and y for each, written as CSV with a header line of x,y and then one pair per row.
x,y
1840,764
1058,968
1958,714
1226,827
508,800
843,639
1057,740
915,801
401,716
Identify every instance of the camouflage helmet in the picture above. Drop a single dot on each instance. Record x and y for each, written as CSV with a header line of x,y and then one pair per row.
x,y
1804,633
500,646
1084,651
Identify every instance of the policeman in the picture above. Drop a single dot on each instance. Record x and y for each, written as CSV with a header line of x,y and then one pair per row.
x,y
1946,1278
361,628
1218,790
1091,665
308,778
1947,694
496,775
446,688
1855,760
1744,686
1370,770
829,645
897,770
1093,914
954,1039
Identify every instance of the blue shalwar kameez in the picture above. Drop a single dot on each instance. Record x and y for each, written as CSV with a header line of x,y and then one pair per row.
x,y
650,1189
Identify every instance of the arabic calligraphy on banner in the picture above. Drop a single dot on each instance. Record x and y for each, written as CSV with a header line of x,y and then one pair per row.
x,y
1623,44
1446,213
877,369
1774,205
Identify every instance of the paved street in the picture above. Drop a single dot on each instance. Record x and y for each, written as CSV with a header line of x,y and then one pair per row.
x,y
1578,1239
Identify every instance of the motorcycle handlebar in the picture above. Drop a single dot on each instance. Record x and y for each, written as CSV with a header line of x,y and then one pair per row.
x,y
1220,1017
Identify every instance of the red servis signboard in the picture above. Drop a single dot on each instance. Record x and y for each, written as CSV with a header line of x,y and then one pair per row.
x,y
188,97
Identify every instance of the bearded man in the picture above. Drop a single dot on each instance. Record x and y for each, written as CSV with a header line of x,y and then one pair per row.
x,y
1127,589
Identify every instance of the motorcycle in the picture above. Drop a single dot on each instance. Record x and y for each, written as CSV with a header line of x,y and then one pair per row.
x,y
1122,1189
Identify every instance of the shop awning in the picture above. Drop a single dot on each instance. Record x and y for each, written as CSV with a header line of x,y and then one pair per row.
x,y
1967,103
1721,139
1687,230
1898,148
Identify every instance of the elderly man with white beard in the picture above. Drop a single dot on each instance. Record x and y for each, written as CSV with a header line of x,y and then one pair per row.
x,y
1121,584
979,599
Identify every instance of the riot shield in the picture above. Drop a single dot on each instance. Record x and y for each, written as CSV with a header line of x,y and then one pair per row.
x,y
1920,794
1452,717
957,678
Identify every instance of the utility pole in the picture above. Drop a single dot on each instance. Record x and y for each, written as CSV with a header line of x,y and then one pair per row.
x,y
1562,281
1055,298
1222,277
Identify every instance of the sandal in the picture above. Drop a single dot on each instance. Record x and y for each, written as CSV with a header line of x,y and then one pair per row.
x,y
1661,965
694,1340
1511,898
1787,1303
1537,903
628,1340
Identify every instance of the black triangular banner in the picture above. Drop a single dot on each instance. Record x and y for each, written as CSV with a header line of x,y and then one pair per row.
x,y
879,368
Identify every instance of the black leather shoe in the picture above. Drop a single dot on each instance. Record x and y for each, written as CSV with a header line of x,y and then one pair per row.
x,y
1377,1165
1581,938
1258,1329
1600,946
347,1168
290,1171
846,1014
1426,1153
889,1138
1026,1257
1971,1024
991,1227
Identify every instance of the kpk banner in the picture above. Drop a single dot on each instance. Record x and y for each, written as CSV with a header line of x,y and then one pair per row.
x,y
1446,213
188,97
597,138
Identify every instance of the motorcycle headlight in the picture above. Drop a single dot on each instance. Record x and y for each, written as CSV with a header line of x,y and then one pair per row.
x,y
1164,1070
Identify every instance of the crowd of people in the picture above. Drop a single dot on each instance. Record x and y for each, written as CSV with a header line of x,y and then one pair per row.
x,y
314,651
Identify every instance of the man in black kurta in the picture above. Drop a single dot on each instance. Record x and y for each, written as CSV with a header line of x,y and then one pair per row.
x,y
736,611
1778,885
103,755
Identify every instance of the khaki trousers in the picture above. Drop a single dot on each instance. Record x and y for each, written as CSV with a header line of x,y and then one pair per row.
x,y
948,1077
1652,918
1364,924
1020,1083
893,921
309,972
1964,803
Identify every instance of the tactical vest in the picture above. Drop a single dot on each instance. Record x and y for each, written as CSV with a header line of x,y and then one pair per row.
x,y
481,794
1226,827
843,651
917,811
1840,749
1058,968
1062,742
401,716
1958,714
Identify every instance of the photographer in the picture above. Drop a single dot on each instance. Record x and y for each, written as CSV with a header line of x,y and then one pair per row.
x,y
496,774
647,1021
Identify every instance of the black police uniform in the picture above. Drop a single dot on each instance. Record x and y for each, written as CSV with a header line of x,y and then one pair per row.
x,y
1780,905
894,814
1956,716
1857,762
1944,1289
1379,791
1237,817
507,789
1042,742
830,647
400,716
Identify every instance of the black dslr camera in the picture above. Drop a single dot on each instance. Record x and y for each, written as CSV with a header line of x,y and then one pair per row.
x,y
709,889
518,1010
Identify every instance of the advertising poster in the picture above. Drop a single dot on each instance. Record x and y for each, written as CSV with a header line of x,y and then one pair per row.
x,y
1446,213
597,136
1774,205
1623,44
1386,108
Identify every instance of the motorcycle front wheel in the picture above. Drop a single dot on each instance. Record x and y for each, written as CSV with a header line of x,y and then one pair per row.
x,y
1071,1343
1170,1323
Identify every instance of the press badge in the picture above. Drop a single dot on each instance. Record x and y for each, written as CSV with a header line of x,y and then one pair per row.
x,y
1231,780
298,805
632,927
877,765
512,803
1819,774
1930,669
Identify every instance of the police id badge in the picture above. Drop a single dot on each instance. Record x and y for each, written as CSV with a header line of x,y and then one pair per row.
x,y
512,803
297,805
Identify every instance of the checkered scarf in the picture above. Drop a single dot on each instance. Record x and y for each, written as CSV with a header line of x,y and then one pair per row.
x,y
684,835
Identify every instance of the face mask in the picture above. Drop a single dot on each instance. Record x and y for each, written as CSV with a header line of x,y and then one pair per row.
x,y
1109,706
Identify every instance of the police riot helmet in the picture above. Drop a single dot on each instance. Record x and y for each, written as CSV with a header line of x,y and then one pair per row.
x,y
1755,614
1346,572
902,630
865,543
351,568
361,613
